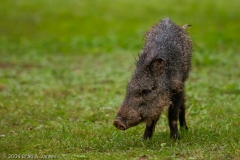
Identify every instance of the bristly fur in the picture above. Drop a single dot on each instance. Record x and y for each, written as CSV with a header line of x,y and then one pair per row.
x,y
158,81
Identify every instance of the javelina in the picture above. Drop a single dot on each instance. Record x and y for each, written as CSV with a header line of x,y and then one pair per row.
x,y
158,81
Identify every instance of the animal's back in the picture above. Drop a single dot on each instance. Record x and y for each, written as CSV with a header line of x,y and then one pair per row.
x,y
170,42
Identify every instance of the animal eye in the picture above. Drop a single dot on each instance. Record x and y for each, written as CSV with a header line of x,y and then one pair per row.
x,y
145,91
154,87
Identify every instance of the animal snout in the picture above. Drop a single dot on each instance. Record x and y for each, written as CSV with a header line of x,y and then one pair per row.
x,y
119,125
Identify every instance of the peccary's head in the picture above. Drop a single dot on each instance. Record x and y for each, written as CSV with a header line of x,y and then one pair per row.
x,y
145,99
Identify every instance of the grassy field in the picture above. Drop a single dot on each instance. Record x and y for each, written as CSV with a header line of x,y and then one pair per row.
x,y
64,66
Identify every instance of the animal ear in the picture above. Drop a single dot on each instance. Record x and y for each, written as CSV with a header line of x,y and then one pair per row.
x,y
157,66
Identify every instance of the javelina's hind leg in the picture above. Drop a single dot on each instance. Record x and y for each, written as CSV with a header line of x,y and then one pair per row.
x,y
150,127
182,120
173,114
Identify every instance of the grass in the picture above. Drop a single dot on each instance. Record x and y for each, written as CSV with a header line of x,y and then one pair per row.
x,y
64,66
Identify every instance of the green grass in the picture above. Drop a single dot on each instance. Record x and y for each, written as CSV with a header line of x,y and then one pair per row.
x,y
64,66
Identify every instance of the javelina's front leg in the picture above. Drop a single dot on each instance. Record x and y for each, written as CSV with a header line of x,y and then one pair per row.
x,y
173,114
150,127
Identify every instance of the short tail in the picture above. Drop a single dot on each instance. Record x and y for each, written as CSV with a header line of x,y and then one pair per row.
x,y
186,26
